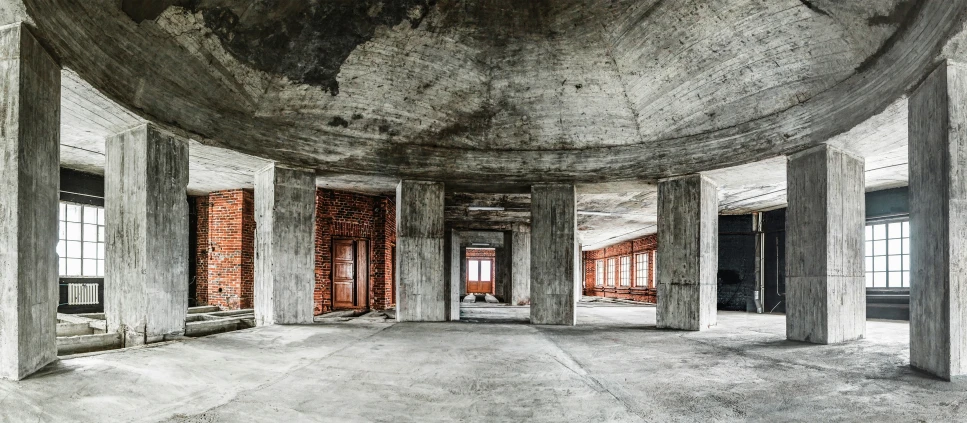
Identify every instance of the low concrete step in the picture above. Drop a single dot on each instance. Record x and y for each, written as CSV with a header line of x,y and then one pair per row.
x,y
888,311
887,299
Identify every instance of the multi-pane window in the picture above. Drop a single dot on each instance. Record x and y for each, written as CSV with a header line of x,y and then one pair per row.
x,y
641,270
611,270
81,241
888,255
626,271
599,272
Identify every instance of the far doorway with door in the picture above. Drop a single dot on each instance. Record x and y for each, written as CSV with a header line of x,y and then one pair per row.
x,y
350,274
480,275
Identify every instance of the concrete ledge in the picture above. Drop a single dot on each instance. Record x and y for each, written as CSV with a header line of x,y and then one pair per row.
x,y
88,343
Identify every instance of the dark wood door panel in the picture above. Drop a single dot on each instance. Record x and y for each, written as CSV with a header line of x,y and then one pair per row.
x,y
343,274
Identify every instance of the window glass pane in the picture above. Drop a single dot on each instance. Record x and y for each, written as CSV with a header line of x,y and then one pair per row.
x,y
73,267
879,248
626,271
74,231
100,217
894,246
611,270
63,212
62,230
906,262
90,233
90,268
906,279
869,233
90,250
73,250
599,272
894,263
100,267
100,234
474,270
906,229
100,250
63,266
879,232
869,248
485,270
879,264
90,215
869,264
879,279
906,245
61,248
73,213
894,230
869,279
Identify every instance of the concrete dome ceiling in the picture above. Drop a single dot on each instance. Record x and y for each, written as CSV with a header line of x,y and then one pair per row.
x,y
479,92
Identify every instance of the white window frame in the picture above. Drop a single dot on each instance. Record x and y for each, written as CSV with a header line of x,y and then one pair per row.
x,y
887,254
81,240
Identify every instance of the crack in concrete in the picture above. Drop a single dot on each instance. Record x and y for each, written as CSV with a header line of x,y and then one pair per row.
x,y
590,380
201,416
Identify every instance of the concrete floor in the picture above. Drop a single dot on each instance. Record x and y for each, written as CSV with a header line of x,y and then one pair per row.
x,y
615,366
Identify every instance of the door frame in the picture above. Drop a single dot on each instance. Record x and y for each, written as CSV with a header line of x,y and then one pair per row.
x,y
362,247
493,272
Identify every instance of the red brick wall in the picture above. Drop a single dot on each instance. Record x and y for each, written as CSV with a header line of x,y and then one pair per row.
x,y
481,253
647,245
355,216
226,249
226,246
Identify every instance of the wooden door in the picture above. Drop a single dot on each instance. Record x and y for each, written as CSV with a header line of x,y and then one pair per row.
x,y
360,299
480,276
343,273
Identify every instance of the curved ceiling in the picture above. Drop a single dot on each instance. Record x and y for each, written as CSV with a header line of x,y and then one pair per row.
x,y
503,91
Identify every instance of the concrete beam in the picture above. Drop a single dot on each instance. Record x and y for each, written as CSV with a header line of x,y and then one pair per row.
x,y
688,253
419,252
825,283
554,255
29,184
938,222
285,213
146,274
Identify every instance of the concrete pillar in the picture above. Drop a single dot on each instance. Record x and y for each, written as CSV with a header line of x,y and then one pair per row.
x,y
463,272
520,272
554,255
825,284
503,259
452,260
29,185
938,222
420,239
146,204
285,215
688,236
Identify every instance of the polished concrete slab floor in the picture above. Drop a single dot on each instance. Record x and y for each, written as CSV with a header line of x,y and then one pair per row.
x,y
615,366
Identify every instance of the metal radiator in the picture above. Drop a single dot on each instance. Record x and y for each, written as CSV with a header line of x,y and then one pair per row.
x,y
82,294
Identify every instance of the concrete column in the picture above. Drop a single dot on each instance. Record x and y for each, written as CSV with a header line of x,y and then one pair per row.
x,y
420,239
503,259
452,260
29,185
688,235
825,284
520,286
146,204
285,216
938,222
554,250
463,272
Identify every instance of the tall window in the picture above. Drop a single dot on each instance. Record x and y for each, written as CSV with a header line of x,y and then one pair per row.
x,y
611,270
888,255
81,241
599,272
641,270
626,271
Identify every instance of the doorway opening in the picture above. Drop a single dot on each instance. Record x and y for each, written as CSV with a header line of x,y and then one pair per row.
x,y
480,271
350,274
